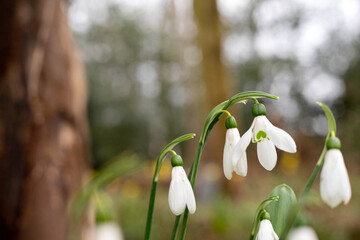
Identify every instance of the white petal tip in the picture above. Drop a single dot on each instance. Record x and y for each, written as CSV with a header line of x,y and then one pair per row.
x,y
176,212
293,150
192,211
269,169
228,178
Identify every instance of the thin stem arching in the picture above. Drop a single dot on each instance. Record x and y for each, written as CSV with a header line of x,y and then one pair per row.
x,y
211,120
159,162
302,199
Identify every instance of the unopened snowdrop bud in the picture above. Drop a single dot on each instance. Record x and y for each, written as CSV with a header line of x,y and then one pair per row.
x,y
334,180
230,122
258,109
180,193
232,138
267,136
303,233
266,230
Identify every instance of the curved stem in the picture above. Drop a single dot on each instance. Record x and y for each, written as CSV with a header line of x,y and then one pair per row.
x,y
259,210
314,174
159,162
302,199
255,100
224,111
172,151
211,120
305,192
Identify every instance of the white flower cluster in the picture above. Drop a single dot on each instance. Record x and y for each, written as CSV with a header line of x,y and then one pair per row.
x,y
334,183
264,134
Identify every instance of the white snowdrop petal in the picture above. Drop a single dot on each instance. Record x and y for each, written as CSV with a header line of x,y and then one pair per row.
x,y
280,138
232,137
334,180
227,164
241,146
266,231
259,124
177,192
303,233
267,154
190,198
241,166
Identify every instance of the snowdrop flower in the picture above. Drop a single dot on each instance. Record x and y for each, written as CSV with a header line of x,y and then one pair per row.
x,y
266,230
180,193
303,233
108,231
232,138
334,179
267,136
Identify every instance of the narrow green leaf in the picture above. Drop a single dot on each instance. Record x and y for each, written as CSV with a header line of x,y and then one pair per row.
x,y
280,211
329,116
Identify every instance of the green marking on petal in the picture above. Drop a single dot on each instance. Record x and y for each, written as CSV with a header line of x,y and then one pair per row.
x,y
261,135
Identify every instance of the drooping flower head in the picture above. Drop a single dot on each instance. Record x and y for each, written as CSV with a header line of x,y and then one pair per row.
x,y
266,136
232,138
266,230
181,193
334,179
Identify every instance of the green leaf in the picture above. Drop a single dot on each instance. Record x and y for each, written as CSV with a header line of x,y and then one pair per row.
x,y
329,116
280,211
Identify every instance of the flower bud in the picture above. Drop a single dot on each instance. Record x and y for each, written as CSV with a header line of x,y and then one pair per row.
x,y
176,161
258,109
265,215
230,122
333,143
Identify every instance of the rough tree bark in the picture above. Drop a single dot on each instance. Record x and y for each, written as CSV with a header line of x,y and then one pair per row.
x,y
213,71
43,127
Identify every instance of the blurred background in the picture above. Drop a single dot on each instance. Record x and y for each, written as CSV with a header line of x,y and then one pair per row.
x,y
91,91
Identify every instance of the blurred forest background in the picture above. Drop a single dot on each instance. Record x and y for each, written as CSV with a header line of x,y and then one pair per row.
x,y
154,70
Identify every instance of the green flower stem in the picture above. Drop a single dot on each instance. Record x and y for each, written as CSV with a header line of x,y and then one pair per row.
x,y
255,100
176,227
315,173
305,192
172,151
159,163
224,111
211,120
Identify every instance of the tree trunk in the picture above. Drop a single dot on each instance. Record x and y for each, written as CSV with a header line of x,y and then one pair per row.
x,y
213,71
43,128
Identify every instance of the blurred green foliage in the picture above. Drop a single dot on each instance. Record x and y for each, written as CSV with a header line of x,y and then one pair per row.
x,y
132,103
141,96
